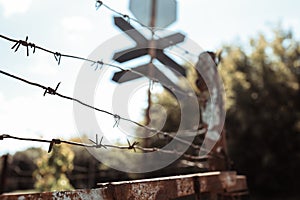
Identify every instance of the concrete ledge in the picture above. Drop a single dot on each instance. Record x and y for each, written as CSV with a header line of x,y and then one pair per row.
x,y
192,186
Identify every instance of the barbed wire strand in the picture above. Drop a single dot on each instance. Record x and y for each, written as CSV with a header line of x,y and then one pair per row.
x,y
100,62
49,90
58,56
96,144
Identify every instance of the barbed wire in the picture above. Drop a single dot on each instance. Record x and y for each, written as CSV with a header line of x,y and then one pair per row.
x,y
99,63
58,56
99,144
117,118
98,4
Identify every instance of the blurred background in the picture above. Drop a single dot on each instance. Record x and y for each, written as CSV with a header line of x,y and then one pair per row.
x,y
258,44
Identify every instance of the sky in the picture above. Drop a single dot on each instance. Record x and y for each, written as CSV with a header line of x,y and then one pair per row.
x,y
77,28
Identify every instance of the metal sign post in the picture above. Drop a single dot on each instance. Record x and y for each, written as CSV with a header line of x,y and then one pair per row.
x,y
152,13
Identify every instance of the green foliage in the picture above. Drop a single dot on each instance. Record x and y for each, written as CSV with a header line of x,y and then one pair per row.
x,y
20,168
263,110
52,169
166,101
262,83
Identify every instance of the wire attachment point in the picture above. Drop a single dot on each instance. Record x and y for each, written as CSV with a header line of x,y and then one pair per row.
x,y
127,17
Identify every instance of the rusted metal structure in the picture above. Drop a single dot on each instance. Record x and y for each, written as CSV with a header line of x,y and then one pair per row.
x,y
211,185
3,173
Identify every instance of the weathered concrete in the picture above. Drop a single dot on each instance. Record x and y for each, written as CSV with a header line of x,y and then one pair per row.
x,y
212,184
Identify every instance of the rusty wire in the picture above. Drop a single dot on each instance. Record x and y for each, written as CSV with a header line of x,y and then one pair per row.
x,y
49,90
96,144
97,63
58,56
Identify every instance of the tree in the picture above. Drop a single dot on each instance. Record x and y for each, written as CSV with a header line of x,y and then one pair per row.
x,y
19,171
52,169
262,84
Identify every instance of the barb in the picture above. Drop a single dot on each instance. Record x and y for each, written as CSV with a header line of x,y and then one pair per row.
x,y
98,144
98,63
101,63
57,57
24,43
117,120
95,144
132,146
53,141
98,4
51,91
